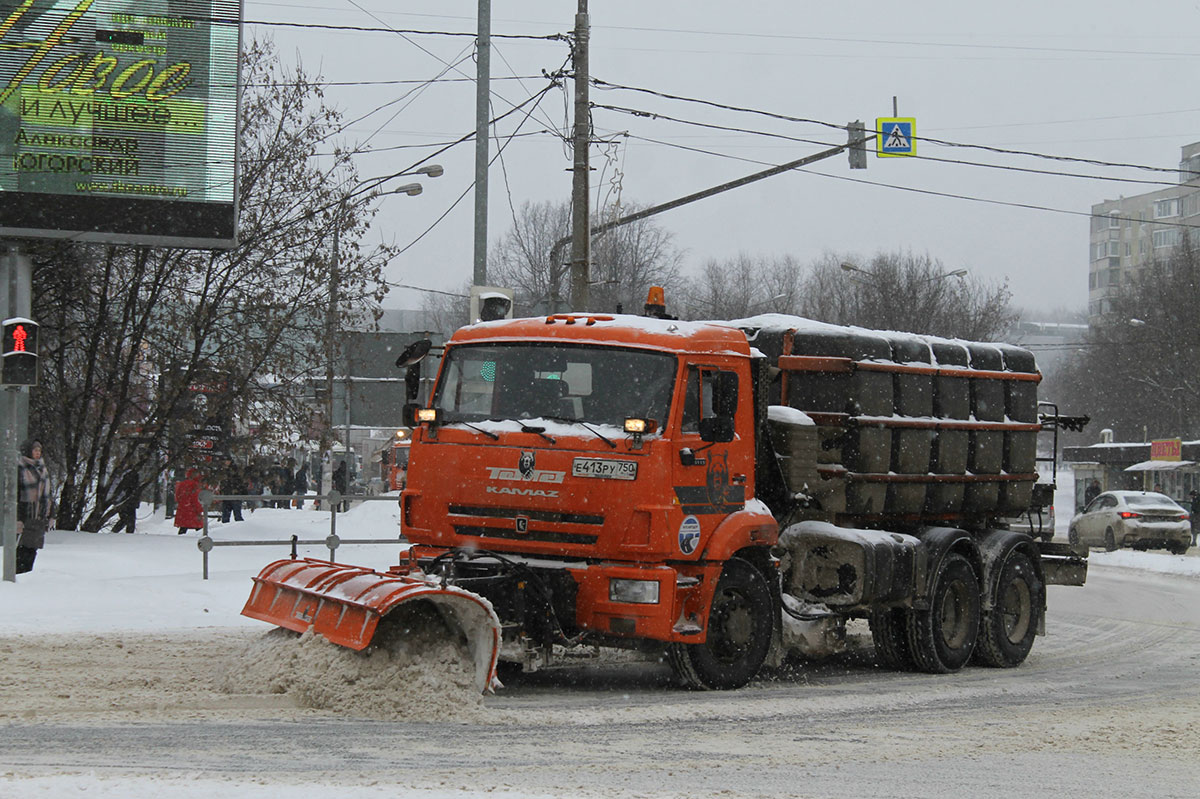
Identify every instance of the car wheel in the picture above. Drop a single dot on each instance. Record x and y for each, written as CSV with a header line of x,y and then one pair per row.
x,y
1110,541
1177,549
1073,537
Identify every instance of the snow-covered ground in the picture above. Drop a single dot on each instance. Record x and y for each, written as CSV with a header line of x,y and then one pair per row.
x,y
151,581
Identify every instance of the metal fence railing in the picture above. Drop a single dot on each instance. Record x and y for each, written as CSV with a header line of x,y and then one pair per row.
x,y
331,501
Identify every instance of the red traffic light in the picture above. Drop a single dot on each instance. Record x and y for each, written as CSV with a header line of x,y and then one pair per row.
x,y
20,352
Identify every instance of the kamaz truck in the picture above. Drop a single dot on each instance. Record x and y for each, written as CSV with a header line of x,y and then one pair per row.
x,y
694,488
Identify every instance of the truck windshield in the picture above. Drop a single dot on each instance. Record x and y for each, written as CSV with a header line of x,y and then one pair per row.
x,y
597,385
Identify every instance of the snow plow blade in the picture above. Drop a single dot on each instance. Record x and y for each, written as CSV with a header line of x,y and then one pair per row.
x,y
345,603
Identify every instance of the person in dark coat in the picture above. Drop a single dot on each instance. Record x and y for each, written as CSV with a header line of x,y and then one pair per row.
x,y
341,478
35,505
188,513
128,498
233,483
301,486
1195,508
1091,492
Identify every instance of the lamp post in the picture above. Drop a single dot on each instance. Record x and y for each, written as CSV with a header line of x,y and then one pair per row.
x,y
851,268
335,277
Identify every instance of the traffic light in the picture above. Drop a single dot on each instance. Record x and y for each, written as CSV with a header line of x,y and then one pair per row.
x,y
489,303
20,356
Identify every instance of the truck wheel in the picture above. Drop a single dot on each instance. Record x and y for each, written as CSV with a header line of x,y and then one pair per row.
x,y
1110,541
890,639
740,624
1007,631
942,637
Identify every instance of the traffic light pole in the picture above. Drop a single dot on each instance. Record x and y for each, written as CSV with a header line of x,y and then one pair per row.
x,y
15,283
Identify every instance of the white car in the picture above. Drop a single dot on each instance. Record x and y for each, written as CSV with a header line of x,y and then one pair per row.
x,y
1137,519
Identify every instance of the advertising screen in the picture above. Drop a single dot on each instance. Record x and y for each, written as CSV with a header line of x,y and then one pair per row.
x,y
118,120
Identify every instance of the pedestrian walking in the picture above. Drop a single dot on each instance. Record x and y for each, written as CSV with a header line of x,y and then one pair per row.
x,y
1195,508
232,484
189,515
35,505
301,486
340,484
128,497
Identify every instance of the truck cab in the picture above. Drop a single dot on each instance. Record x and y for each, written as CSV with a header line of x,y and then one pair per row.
x,y
605,463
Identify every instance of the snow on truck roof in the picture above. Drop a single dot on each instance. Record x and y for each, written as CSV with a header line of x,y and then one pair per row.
x,y
636,331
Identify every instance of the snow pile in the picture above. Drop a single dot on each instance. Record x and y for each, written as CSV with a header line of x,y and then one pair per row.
x,y
414,669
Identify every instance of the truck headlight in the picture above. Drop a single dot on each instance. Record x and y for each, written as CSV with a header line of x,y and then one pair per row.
x,y
635,592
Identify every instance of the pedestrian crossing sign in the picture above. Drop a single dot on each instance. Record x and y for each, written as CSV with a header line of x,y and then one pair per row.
x,y
895,136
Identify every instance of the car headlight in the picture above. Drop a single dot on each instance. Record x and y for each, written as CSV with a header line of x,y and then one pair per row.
x,y
635,592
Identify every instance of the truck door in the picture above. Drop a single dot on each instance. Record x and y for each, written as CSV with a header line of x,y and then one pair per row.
x,y
710,469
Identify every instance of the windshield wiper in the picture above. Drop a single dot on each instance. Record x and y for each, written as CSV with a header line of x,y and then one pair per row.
x,y
586,426
541,431
488,433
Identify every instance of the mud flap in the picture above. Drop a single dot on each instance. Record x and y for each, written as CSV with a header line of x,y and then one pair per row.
x,y
344,604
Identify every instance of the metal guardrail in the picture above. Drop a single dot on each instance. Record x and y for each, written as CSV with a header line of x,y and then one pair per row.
x,y
333,499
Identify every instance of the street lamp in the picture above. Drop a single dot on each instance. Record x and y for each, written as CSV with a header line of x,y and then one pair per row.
x,y
335,277
848,267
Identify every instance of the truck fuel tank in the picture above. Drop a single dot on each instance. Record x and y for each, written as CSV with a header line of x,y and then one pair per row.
x,y
844,568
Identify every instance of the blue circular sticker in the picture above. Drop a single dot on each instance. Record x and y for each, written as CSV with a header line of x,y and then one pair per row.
x,y
689,535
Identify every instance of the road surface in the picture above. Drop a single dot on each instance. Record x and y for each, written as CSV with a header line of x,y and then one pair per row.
x,y
1108,704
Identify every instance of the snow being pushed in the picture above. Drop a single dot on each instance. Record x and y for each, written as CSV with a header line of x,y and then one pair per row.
x,y
415,668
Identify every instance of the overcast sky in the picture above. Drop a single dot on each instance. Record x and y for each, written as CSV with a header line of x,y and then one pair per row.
x,y
1062,78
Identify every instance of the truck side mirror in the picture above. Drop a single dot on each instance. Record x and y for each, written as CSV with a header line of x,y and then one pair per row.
x,y
717,429
409,414
410,361
725,394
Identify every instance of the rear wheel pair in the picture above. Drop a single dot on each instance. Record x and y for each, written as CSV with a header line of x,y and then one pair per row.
x,y
944,636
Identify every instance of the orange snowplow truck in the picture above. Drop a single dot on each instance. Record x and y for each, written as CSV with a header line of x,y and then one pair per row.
x,y
697,488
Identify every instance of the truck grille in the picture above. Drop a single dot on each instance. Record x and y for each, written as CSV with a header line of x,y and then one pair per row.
x,y
551,517
547,536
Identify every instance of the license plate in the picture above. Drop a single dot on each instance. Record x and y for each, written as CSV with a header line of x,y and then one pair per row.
x,y
605,468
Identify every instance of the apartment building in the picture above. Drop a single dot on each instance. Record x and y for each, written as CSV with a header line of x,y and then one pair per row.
x,y
1128,233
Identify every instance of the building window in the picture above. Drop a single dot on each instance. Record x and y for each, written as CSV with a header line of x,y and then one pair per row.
x,y
1166,208
1114,219
1166,238
1114,249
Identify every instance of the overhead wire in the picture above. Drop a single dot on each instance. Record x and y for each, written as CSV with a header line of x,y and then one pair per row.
x,y
770,134
606,85
930,192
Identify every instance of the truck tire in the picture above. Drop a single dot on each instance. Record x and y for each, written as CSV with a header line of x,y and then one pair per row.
x,y
740,623
942,637
888,633
1007,631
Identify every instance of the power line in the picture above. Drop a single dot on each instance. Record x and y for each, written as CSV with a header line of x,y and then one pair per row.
x,y
1057,173
930,192
605,85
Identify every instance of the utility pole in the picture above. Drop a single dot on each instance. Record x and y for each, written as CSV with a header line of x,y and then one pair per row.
x,y
483,58
581,249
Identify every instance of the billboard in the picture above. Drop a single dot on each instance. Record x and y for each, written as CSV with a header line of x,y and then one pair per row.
x,y
118,120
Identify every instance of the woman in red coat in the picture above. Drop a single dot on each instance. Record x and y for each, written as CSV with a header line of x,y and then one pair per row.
x,y
188,513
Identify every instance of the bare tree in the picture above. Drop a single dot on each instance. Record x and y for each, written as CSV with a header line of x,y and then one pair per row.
x,y
1139,372
135,336
626,261
915,294
742,287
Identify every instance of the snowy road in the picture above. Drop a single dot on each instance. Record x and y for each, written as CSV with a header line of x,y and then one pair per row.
x,y
1107,705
